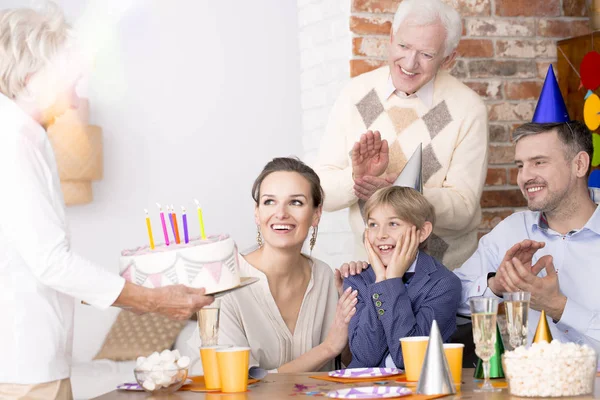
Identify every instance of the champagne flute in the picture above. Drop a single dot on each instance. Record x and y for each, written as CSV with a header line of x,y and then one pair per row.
x,y
517,308
483,314
208,323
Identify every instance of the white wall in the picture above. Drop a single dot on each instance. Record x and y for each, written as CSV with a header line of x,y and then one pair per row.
x,y
194,97
325,51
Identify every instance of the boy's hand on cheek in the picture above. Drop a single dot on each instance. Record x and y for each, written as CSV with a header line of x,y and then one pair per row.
x,y
404,253
375,261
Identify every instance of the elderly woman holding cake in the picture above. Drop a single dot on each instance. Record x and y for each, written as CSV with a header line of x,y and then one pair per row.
x,y
293,319
40,275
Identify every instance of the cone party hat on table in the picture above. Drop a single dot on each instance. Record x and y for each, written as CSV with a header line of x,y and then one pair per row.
x,y
496,370
542,332
412,173
551,107
435,374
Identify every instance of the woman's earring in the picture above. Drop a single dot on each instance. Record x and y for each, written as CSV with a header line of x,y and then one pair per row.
x,y
259,239
313,238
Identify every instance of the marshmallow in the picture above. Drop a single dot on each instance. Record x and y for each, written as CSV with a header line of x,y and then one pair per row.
x,y
140,361
149,385
176,354
183,362
167,356
154,358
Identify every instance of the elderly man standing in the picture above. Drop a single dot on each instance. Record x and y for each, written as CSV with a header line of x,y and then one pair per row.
x,y
411,102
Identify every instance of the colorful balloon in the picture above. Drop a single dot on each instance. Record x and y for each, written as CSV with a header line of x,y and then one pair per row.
x,y
591,112
590,70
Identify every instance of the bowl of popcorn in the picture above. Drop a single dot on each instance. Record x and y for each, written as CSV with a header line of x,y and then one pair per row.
x,y
163,372
550,370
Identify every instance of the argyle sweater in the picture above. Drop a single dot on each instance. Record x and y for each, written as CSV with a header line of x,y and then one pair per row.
x,y
454,136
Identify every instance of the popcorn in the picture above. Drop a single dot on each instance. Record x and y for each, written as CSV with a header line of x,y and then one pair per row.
x,y
161,370
550,369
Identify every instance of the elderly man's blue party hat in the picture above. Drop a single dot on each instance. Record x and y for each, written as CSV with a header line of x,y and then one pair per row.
x,y
551,107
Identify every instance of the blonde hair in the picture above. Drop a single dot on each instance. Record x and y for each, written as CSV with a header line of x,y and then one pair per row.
x,y
408,204
29,39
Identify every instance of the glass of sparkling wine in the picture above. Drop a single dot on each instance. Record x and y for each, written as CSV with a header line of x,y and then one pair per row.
x,y
517,307
483,313
208,323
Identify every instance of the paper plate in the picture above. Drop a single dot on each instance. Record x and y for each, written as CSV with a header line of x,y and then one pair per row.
x,y
244,281
354,373
369,392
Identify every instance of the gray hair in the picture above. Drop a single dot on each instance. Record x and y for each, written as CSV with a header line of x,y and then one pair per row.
x,y
424,12
29,39
575,136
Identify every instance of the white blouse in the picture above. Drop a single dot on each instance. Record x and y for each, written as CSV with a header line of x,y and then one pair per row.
x,y
250,317
39,274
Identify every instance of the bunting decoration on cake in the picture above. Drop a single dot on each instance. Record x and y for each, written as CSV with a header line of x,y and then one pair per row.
x,y
155,280
215,270
171,274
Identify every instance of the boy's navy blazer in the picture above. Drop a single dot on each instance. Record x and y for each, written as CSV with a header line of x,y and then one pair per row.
x,y
389,310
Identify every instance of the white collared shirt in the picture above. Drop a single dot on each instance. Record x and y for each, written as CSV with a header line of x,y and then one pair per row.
x,y
425,93
39,274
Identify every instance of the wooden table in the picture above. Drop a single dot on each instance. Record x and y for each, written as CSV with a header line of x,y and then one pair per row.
x,y
283,386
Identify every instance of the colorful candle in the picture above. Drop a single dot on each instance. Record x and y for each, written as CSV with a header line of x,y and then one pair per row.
x,y
177,240
185,229
149,226
164,225
200,221
170,210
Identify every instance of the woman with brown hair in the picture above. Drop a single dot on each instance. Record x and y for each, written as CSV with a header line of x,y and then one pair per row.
x,y
292,319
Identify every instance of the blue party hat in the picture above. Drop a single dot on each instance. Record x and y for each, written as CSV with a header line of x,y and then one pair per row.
x,y
551,107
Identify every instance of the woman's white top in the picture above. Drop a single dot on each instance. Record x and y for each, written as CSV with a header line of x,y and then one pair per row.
x,y
250,317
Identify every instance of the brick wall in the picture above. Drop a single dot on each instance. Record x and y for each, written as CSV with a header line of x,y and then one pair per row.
x,y
506,48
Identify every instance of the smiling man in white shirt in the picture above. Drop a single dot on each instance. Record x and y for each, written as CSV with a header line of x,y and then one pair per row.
x,y
40,276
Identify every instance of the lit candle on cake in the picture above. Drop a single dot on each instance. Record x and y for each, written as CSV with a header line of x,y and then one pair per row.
x,y
202,234
170,210
149,226
164,225
185,230
176,227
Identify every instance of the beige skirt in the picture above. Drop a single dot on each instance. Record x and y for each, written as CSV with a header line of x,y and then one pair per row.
x,y
56,390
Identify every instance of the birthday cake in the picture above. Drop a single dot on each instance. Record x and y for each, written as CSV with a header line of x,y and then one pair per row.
x,y
210,263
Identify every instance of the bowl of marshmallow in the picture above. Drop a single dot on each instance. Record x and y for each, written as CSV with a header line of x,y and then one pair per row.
x,y
163,372
550,370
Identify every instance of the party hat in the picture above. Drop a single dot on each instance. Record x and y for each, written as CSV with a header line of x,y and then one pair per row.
x,y
551,107
435,373
412,174
496,370
542,332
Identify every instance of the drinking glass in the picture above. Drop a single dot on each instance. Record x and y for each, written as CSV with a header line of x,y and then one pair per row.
x,y
517,307
208,323
483,313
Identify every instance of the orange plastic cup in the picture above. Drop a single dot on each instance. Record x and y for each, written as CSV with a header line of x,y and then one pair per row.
x,y
413,352
233,368
208,354
454,355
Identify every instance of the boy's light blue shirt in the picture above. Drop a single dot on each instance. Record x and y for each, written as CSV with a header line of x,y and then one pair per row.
x,y
576,259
